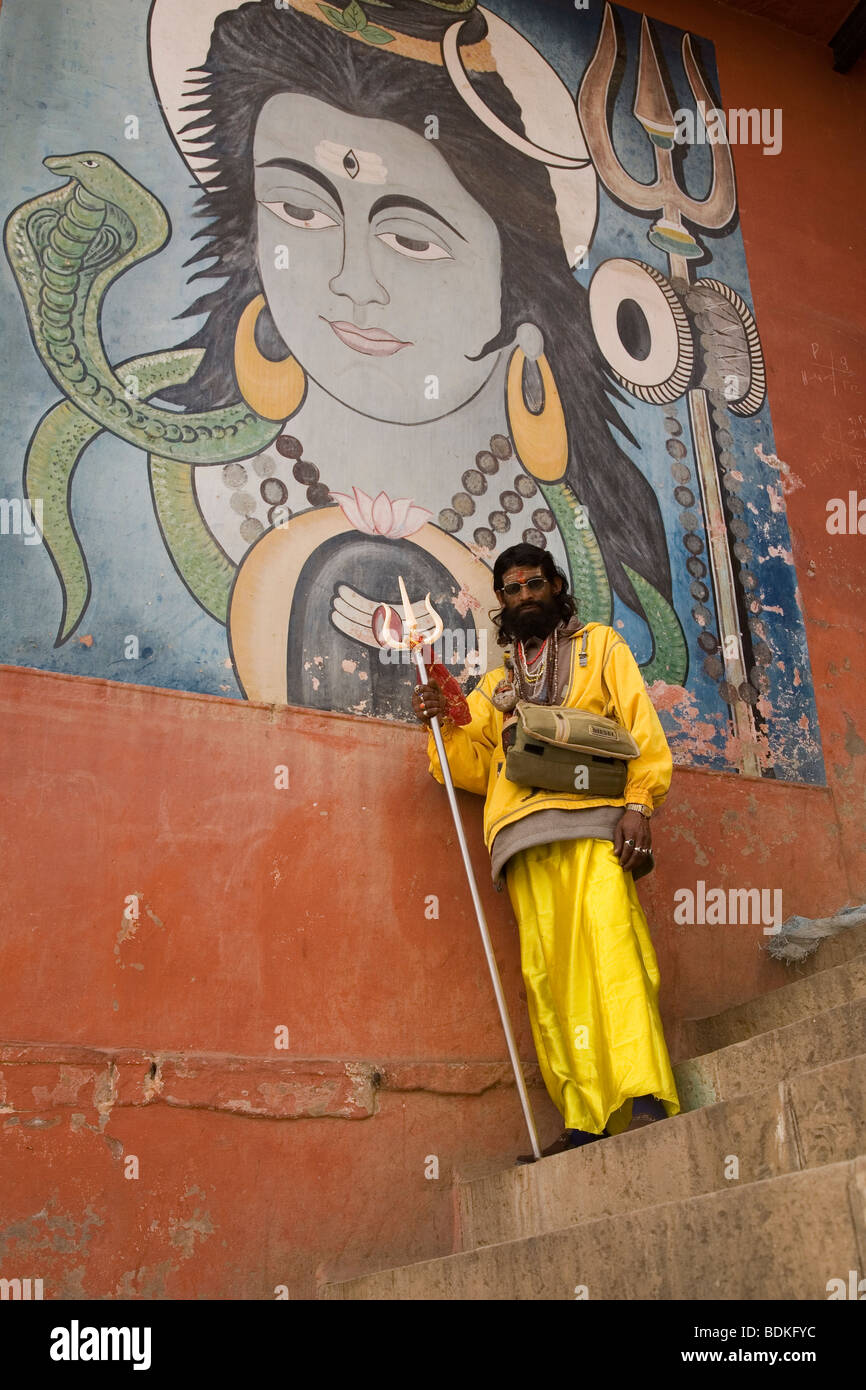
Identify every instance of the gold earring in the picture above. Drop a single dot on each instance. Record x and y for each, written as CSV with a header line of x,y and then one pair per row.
x,y
541,439
274,390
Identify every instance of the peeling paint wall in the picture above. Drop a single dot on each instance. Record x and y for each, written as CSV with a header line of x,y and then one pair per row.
x,y
284,1035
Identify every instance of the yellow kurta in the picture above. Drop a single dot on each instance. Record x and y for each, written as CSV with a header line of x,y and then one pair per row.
x,y
586,955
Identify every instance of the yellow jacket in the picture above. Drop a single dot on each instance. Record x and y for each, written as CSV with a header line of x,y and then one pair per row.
x,y
610,684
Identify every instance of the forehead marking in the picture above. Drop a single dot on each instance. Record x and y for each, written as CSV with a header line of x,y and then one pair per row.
x,y
348,163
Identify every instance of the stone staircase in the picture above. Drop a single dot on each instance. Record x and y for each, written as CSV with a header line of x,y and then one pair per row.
x,y
757,1191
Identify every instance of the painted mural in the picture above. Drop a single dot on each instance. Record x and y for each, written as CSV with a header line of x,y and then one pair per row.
x,y
455,276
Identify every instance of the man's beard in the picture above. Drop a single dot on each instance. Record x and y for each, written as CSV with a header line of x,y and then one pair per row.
x,y
527,621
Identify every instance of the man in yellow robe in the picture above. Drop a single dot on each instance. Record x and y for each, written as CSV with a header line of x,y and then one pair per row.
x,y
570,859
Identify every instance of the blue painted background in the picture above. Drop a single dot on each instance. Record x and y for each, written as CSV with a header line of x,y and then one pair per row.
x,y
71,74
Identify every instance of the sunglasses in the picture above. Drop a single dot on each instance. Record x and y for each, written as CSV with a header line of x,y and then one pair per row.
x,y
534,586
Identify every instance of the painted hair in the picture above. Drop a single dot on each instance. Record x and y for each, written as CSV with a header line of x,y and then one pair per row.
x,y
259,51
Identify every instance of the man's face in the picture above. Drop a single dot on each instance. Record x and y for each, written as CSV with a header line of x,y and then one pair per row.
x,y
528,602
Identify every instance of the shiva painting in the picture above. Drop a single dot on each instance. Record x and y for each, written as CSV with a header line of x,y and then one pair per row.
x,y
454,280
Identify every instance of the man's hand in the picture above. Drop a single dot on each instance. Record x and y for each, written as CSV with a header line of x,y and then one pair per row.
x,y
632,840
428,702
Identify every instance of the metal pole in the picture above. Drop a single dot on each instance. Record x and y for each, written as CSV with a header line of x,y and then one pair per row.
x,y
482,922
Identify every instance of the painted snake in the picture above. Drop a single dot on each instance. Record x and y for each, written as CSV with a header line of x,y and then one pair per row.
x,y
66,247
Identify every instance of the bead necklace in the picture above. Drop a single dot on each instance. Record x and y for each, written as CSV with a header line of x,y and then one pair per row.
x,y
534,671
533,660
274,492
533,684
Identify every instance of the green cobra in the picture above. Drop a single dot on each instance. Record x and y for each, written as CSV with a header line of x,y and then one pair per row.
x,y
65,248
53,456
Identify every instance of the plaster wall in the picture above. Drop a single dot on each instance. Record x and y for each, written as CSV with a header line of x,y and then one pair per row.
x,y
304,908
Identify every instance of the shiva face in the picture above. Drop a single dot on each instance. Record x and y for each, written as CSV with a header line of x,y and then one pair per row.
x,y
382,274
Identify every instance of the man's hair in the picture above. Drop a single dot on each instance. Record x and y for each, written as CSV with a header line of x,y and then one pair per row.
x,y
531,555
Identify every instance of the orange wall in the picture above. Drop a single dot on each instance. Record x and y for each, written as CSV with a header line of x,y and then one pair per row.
x,y
306,907
802,214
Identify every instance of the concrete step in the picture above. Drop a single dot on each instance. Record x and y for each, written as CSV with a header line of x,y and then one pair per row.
x,y
813,994
814,1118
763,1061
785,1237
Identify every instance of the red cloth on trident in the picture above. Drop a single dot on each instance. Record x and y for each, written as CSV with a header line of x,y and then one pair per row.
x,y
458,710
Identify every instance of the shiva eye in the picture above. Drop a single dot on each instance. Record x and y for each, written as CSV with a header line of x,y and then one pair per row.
x,y
312,219
418,250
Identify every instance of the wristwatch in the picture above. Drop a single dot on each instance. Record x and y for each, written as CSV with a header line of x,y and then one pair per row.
x,y
636,806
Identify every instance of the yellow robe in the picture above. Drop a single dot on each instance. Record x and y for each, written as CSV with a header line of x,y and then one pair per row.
x,y
586,955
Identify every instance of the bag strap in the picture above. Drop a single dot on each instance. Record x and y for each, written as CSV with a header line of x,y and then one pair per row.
x,y
617,642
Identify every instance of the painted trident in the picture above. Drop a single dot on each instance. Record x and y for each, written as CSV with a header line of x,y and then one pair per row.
x,y
652,109
664,195
414,641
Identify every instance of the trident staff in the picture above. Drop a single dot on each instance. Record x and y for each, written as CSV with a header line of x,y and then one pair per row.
x,y
414,641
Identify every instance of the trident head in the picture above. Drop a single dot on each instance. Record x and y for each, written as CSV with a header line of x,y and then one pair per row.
x,y
652,109
413,636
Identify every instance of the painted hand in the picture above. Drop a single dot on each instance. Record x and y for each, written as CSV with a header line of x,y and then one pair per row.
x,y
352,613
